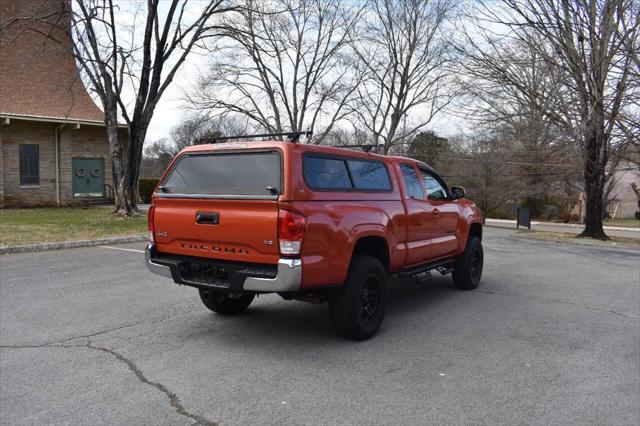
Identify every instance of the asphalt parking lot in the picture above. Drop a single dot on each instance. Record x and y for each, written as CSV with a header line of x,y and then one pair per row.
x,y
89,336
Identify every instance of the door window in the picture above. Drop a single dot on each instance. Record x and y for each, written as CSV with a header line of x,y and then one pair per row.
x,y
435,189
411,181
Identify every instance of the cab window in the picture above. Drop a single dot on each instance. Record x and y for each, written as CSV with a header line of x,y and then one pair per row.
x,y
434,187
346,174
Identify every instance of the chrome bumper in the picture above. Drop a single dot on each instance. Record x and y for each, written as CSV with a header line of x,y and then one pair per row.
x,y
156,268
288,278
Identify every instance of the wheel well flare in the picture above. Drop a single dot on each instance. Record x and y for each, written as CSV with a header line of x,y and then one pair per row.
x,y
374,247
475,230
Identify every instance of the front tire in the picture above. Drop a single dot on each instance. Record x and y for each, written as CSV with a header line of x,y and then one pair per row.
x,y
357,309
225,303
468,267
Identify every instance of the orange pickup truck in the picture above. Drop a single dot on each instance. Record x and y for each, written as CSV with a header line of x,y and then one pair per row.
x,y
308,222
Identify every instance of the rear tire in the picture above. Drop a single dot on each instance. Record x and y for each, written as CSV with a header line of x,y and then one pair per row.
x,y
225,303
468,267
357,309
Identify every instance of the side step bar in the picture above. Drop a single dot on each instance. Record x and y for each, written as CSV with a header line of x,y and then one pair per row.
x,y
443,266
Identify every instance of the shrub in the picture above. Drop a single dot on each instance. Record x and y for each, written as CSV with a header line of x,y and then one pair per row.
x,y
535,204
567,218
145,189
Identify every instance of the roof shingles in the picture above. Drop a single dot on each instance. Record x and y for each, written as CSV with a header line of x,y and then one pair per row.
x,y
38,76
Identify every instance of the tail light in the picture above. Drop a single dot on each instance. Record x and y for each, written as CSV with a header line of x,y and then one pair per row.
x,y
150,227
290,232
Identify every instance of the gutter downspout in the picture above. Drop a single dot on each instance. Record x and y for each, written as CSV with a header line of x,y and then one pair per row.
x,y
57,132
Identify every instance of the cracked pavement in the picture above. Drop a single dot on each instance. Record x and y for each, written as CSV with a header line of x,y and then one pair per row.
x,y
89,336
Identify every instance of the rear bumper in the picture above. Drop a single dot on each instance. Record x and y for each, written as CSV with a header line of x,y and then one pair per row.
x,y
156,268
287,278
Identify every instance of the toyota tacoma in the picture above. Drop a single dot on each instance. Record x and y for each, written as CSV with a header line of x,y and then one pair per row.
x,y
308,222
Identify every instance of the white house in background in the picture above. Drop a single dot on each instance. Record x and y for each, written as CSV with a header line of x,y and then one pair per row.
x,y
623,201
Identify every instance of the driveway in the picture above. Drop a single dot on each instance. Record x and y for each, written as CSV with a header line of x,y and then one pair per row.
x,y
89,336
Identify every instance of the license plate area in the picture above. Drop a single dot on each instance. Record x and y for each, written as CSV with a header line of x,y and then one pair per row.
x,y
213,274
204,273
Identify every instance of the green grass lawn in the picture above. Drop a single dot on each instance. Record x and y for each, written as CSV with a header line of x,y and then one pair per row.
x,y
57,224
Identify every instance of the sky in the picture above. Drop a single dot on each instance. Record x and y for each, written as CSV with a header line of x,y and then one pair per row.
x,y
172,110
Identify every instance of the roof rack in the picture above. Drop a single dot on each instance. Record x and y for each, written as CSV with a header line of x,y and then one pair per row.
x,y
291,136
364,147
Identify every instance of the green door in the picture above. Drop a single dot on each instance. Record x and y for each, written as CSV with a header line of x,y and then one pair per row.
x,y
88,177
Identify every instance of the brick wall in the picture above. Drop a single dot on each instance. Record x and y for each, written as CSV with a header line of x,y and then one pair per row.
x,y
87,142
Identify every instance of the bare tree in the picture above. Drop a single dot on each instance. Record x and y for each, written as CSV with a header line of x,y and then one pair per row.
x,y
193,131
284,66
405,59
431,148
513,90
587,47
346,135
147,67
479,165
156,158
129,68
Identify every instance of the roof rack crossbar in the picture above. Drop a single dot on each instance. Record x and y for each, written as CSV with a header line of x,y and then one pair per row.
x,y
364,147
291,136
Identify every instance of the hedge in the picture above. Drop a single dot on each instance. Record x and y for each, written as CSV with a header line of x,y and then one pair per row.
x,y
145,189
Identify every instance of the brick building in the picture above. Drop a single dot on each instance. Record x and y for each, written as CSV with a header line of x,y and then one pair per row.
x,y
53,144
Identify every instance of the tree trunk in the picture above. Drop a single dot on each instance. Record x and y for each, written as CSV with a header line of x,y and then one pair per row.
x,y
593,211
125,196
125,200
128,185
122,204
594,182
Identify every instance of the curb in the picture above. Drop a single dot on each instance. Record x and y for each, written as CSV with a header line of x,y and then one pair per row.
x,y
497,222
510,228
72,244
580,242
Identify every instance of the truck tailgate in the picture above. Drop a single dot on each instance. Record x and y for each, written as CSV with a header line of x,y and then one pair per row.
x,y
234,230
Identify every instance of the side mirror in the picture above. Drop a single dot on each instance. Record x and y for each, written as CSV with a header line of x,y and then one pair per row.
x,y
457,192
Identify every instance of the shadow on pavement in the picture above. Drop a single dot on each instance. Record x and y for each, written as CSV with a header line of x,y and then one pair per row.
x,y
281,325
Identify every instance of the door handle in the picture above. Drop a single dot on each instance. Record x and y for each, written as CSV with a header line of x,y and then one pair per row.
x,y
206,218
435,212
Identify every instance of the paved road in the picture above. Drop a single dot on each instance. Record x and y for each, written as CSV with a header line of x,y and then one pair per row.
x,y
552,336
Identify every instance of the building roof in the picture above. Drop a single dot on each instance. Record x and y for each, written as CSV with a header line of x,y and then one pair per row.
x,y
39,76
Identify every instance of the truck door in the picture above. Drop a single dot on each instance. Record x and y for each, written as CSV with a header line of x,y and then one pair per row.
x,y
444,210
419,218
